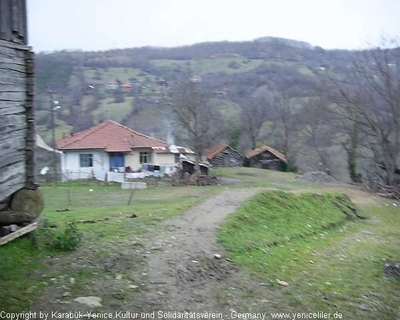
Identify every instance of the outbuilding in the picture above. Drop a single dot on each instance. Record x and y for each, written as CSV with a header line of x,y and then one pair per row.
x,y
267,157
222,155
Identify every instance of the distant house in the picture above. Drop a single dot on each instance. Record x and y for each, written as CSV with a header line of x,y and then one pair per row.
x,y
112,147
112,85
126,87
223,155
267,158
222,92
195,79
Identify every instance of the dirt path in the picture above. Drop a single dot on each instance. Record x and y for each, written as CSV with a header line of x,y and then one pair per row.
x,y
172,270
184,273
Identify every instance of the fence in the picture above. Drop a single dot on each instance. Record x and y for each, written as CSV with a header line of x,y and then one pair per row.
x,y
65,196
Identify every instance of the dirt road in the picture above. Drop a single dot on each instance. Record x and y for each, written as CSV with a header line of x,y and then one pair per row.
x,y
173,270
187,269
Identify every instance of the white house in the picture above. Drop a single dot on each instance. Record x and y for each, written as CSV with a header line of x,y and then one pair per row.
x,y
112,147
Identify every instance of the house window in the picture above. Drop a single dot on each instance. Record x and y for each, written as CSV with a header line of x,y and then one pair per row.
x,y
86,160
144,157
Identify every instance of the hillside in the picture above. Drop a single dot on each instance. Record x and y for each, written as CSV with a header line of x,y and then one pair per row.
x,y
129,85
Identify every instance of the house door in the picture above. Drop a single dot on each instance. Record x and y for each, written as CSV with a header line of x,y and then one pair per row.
x,y
117,161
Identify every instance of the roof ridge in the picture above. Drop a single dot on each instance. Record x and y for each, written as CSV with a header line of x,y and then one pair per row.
x,y
212,152
136,132
270,149
129,137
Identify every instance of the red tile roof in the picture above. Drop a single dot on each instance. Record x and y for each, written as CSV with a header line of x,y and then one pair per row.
x,y
109,136
256,152
211,153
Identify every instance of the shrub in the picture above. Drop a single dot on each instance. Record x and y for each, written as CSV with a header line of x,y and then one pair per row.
x,y
66,239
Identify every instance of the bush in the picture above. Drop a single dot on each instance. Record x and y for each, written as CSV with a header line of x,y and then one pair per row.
x,y
66,239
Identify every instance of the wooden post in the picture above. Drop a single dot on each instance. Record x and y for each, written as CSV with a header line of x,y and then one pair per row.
x,y
69,197
131,196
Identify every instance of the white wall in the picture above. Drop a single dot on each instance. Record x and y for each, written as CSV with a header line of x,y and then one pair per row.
x,y
132,159
71,169
163,159
70,164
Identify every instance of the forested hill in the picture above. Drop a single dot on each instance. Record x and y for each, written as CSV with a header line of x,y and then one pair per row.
x,y
128,85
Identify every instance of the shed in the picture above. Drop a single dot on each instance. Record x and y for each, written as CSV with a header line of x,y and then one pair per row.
x,y
18,190
267,157
222,155
189,167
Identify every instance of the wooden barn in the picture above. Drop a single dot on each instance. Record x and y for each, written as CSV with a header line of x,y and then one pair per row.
x,y
20,199
223,155
267,157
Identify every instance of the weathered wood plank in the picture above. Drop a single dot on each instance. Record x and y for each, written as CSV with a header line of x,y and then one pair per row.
x,y
13,24
11,159
10,55
10,123
11,108
6,79
12,96
12,146
12,60
30,120
11,180
12,88
10,49
11,140
8,173
13,74
13,135
13,45
19,233
12,66
5,21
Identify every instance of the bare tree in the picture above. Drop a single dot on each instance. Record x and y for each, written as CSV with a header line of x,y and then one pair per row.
x,y
371,98
194,116
255,111
285,120
317,129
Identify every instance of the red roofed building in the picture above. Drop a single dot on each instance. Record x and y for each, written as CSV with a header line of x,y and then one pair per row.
x,y
126,87
223,155
110,146
266,157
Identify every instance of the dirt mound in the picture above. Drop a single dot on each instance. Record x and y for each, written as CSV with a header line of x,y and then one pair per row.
x,y
317,177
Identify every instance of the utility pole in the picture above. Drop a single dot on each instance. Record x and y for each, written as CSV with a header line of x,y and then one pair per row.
x,y
53,107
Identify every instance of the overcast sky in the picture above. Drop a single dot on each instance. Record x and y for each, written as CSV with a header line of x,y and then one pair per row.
x,y
109,24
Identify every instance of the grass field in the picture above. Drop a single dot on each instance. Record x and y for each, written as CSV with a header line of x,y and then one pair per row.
x,y
108,109
332,261
204,66
22,262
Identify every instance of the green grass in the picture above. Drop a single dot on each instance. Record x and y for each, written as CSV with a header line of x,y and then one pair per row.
x,y
111,74
61,128
108,109
23,264
253,177
330,262
216,65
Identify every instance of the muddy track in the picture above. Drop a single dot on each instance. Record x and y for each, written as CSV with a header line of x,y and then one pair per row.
x,y
183,272
172,268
